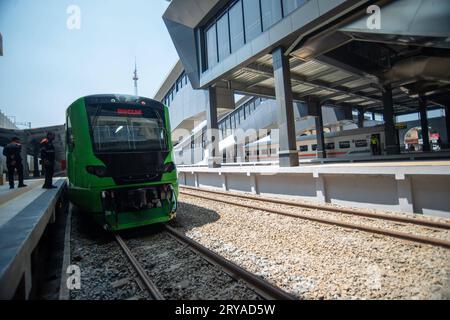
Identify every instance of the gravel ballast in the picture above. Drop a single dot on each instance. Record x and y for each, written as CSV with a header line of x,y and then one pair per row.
x,y
177,271
106,273
317,261
181,274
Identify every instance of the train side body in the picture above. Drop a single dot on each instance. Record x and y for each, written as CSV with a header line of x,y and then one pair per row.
x,y
120,188
342,144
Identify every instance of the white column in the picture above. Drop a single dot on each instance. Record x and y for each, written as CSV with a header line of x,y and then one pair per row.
x,y
404,193
321,195
196,179
224,181
253,183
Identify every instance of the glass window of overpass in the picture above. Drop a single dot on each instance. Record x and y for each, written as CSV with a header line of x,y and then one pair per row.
x,y
240,23
270,12
252,19
236,26
223,37
291,5
211,45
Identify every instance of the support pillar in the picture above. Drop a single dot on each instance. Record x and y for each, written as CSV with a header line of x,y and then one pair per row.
x,y
447,124
288,154
360,117
424,124
392,146
321,153
212,130
315,109
348,113
192,149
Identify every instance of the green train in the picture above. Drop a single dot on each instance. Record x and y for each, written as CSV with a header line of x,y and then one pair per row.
x,y
119,160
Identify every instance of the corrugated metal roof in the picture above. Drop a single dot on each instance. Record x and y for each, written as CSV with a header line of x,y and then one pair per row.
x,y
320,80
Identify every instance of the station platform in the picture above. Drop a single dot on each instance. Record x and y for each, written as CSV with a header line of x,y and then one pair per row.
x,y
401,186
13,201
24,216
405,156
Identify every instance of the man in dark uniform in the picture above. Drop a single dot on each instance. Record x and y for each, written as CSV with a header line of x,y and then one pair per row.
x,y
48,159
12,152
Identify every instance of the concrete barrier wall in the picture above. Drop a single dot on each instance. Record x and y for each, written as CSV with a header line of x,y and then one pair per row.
x,y
362,191
393,191
431,194
287,185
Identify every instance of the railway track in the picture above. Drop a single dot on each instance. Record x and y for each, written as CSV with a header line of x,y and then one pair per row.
x,y
200,193
146,280
262,288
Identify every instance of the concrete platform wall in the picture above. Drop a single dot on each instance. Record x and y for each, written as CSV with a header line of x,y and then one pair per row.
x,y
393,191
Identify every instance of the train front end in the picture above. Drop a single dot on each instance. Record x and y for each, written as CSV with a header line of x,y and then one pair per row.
x,y
120,161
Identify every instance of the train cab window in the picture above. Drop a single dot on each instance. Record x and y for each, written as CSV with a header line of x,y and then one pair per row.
x,y
314,147
114,133
329,146
344,144
303,148
361,143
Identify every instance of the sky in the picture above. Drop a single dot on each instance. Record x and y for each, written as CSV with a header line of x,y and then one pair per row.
x,y
46,65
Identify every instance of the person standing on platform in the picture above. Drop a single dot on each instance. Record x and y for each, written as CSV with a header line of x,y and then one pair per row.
x,y
374,145
48,159
12,152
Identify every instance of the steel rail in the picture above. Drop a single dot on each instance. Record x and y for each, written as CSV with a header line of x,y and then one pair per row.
x,y
391,233
383,216
151,287
262,287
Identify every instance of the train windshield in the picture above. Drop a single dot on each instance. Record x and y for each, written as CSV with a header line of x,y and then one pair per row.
x,y
116,128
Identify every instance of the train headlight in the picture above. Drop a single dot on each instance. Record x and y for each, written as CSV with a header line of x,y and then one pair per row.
x,y
99,171
169,167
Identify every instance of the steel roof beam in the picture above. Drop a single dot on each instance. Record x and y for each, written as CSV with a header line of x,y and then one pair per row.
x,y
343,81
363,87
308,92
321,74
295,78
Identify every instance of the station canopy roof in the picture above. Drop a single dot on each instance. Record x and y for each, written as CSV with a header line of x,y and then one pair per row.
x,y
345,64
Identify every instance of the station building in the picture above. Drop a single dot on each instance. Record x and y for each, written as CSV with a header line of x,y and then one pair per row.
x,y
314,68
376,58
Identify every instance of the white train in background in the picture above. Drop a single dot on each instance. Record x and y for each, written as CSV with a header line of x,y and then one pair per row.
x,y
346,143
340,144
